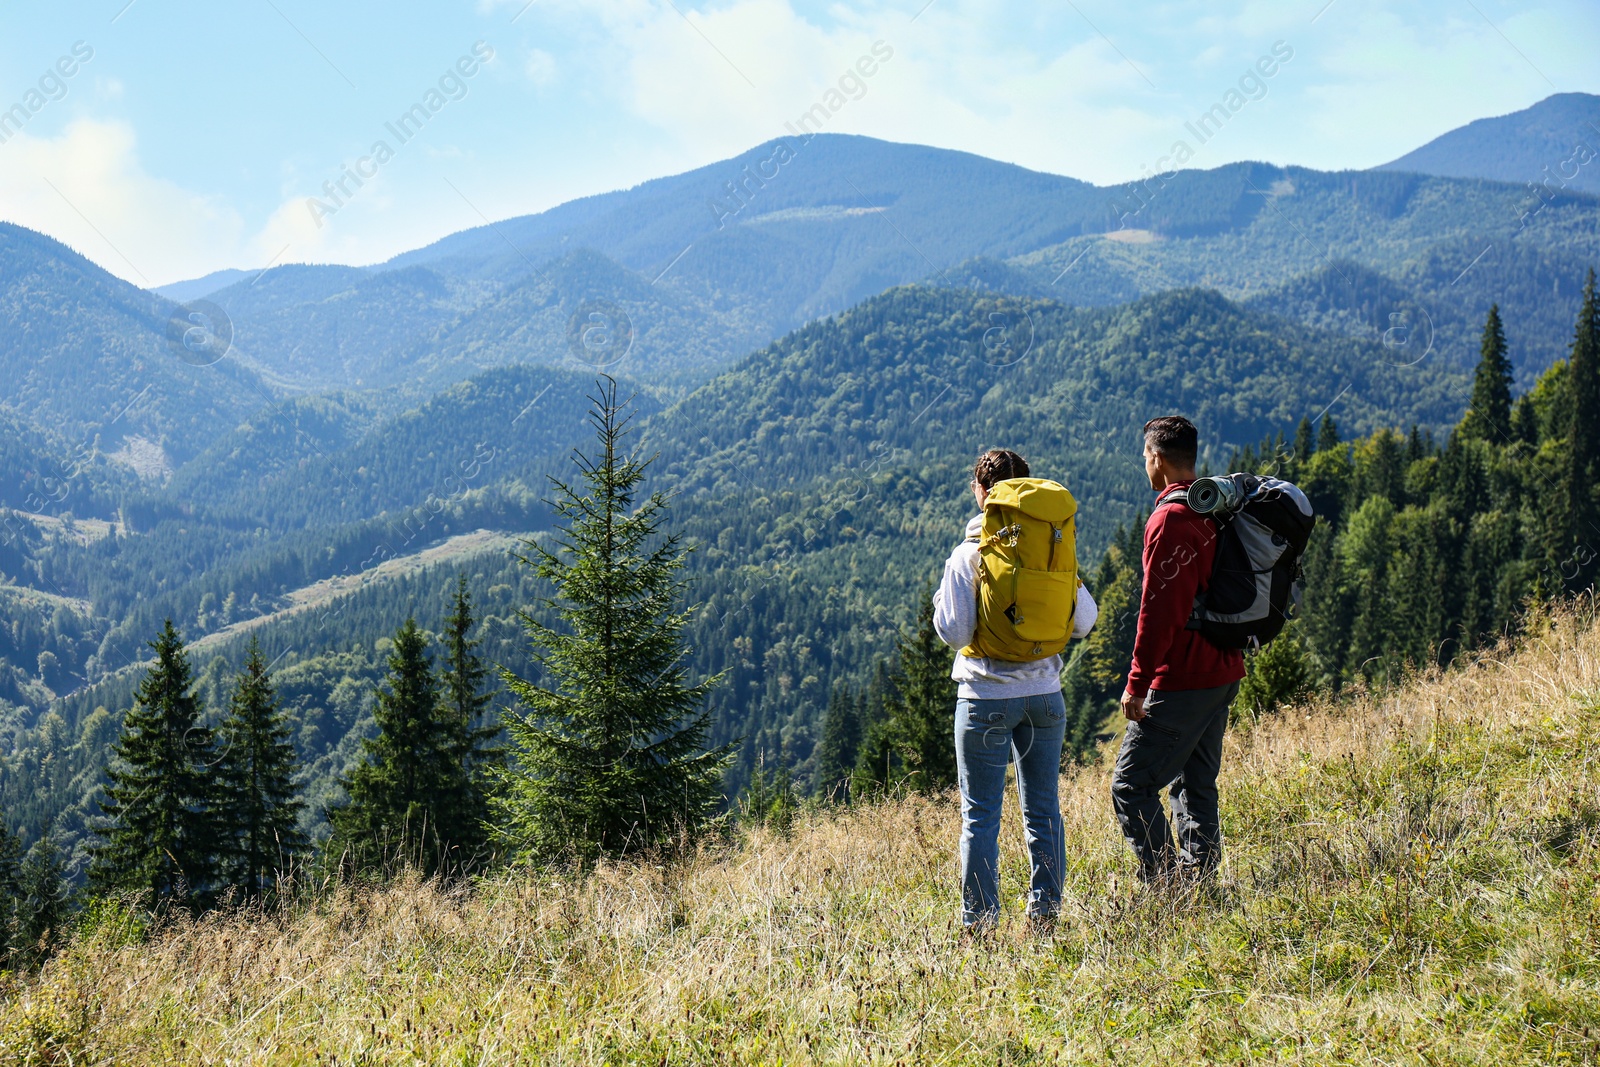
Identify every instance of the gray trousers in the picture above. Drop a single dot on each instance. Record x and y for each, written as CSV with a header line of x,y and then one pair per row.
x,y
1176,746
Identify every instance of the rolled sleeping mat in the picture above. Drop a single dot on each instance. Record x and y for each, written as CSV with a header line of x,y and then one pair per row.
x,y
1207,495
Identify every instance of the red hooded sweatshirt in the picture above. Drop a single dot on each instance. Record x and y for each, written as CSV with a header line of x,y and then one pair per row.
x,y
1179,548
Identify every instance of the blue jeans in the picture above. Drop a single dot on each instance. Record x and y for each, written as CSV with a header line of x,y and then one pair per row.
x,y
989,734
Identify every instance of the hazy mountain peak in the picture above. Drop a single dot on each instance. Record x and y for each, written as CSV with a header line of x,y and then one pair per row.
x,y
1556,140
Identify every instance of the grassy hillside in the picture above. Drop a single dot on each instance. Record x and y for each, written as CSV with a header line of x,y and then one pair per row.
x,y
1412,877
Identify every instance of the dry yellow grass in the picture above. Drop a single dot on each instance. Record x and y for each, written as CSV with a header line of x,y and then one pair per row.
x,y
1411,878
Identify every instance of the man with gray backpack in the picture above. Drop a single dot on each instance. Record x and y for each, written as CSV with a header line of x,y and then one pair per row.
x,y
1221,574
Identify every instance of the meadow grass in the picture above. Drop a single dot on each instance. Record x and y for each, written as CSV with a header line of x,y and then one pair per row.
x,y
1411,877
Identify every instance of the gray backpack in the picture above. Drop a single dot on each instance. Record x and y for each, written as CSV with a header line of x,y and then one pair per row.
x,y
1263,526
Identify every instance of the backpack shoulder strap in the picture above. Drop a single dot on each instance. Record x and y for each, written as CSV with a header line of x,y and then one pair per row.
x,y
1179,495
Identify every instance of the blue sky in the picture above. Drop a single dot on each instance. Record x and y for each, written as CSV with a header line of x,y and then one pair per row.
x,y
194,135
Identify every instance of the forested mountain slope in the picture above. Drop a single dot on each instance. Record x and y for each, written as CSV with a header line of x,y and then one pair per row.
x,y
87,356
1412,260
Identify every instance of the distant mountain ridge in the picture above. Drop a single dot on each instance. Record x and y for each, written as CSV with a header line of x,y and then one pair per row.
x,y
1555,143
196,288
713,263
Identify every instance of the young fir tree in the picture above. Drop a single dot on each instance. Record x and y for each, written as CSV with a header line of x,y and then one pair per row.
x,y
160,841
401,791
1087,708
44,901
837,748
924,700
1488,416
1280,674
608,752
259,806
769,800
464,816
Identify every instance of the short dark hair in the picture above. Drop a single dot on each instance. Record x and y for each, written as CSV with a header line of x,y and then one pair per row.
x,y
1174,438
996,465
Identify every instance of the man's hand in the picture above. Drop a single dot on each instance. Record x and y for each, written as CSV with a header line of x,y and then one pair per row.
x,y
1132,707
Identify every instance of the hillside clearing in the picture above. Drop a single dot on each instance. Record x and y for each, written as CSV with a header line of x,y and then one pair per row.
x,y
1412,878
318,594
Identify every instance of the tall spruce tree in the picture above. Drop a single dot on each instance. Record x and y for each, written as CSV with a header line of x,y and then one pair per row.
x,y
160,839
877,761
836,749
608,751
1488,416
924,700
1327,434
259,806
1304,443
462,677
401,792
1582,534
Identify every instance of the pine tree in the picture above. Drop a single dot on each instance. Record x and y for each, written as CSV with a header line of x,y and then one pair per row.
x,y
1304,444
1328,435
44,900
877,763
608,753
398,791
463,820
1488,416
925,699
1366,549
1117,585
1329,607
1415,449
160,799
259,806
1582,535
1086,707
841,740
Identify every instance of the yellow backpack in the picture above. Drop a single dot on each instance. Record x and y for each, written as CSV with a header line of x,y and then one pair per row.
x,y
1027,571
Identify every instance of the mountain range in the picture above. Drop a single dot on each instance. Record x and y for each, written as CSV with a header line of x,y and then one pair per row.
x,y
819,335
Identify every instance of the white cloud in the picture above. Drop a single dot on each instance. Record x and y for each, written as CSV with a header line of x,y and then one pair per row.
x,y
87,189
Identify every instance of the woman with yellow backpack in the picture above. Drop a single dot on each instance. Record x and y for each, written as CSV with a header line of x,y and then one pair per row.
x,y
1008,603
